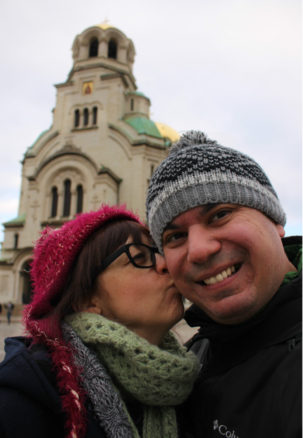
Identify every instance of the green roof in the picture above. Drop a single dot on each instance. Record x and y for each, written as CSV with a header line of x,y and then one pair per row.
x,y
38,138
143,125
137,93
19,220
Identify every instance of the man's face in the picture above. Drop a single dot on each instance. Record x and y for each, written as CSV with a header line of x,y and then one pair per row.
x,y
227,259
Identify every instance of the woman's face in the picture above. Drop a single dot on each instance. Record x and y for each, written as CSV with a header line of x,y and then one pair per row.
x,y
146,301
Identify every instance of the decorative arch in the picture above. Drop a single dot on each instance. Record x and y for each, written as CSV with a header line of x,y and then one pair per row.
x,y
88,36
79,198
93,47
54,202
95,115
77,118
85,117
112,48
70,150
102,41
68,164
66,198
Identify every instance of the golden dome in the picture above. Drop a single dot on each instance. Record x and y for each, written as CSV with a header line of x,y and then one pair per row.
x,y
104,25
167,132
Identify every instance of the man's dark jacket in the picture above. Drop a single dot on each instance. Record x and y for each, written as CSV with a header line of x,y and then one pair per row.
x,y
250,382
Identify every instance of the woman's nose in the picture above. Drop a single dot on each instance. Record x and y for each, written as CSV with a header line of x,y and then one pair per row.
x,y
161,266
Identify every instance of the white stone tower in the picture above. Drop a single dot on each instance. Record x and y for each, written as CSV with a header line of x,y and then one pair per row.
x,y
102,147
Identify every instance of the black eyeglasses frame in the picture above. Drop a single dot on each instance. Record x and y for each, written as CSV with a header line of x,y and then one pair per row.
x,y
125,248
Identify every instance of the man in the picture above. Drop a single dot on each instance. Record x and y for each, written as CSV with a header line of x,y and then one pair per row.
x,y
215,216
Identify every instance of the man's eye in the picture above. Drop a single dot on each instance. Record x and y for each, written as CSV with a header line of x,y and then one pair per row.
x,y
220,214
173,237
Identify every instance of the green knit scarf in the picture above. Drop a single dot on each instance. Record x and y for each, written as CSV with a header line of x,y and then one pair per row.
x,y
158,377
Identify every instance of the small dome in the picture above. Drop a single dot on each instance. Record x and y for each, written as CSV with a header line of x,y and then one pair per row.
x,y
105,25
167,132
143,125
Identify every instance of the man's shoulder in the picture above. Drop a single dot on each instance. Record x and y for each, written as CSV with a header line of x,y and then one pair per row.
x,y
293,248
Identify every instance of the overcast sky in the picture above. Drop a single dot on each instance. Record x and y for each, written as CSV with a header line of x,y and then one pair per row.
x,y
228,67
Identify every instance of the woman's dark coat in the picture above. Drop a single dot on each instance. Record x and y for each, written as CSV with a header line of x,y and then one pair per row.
x,y
30,405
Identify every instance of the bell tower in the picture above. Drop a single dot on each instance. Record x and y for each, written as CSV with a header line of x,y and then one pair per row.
x,y
102,147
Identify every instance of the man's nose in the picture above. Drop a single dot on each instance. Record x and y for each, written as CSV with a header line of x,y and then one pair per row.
x,y
161,266
201,244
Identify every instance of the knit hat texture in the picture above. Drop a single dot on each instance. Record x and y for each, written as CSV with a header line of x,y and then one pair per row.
x,y
55,253
199,171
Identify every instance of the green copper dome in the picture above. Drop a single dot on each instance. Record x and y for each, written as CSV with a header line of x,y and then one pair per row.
x,y
143,125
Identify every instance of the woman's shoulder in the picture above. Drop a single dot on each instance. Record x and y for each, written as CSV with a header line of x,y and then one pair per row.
x,y
27,368
21,350
27,396
30,404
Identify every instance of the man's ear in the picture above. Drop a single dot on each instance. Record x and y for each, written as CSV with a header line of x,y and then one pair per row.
x,y
281,230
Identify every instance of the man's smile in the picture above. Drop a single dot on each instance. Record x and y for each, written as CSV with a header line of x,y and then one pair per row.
x,y
221,276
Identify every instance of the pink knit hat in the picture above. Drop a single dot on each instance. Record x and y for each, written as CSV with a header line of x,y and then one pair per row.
x,y
54,255
56,251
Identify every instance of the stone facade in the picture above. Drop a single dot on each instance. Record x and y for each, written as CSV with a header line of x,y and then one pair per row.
x,y
102,147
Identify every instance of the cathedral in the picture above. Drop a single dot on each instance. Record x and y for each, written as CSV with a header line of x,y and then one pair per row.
x,y
102,147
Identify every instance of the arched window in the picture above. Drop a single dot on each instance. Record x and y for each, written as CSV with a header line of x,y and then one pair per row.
x,y
54,202
67,198
93,47
79,206
95,115
112,49
132,104
77,118
16,240
27,284
85,117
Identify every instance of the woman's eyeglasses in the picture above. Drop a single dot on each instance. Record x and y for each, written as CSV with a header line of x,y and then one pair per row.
x,y
140,255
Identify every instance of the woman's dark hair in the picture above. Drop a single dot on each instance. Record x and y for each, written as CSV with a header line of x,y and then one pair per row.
x,y
81,282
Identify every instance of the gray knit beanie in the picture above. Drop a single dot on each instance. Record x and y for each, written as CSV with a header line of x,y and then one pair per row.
x,y
199,171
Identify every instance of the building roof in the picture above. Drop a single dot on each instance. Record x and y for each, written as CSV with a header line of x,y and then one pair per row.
x,y
137,93
105,25
143,125
167,132
17,221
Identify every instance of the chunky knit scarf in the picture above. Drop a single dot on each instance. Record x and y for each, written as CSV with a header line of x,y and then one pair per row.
x,y
103,398
158,377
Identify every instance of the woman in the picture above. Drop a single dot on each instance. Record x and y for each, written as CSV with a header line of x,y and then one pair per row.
x,y
99,360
